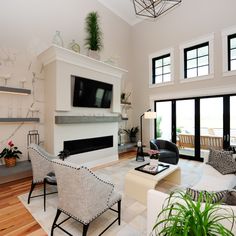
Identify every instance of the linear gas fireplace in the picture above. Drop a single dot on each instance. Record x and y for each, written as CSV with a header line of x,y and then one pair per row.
x,y
88,145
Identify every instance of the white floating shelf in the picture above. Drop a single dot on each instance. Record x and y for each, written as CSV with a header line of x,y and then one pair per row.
x,y
12,90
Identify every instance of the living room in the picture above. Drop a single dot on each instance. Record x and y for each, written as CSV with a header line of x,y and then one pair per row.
x,y
129,45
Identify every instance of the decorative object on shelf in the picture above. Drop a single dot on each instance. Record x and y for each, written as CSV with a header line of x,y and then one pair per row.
x,y
147,115
121,135
74,46
181,215
124,97
32,137
132,133
93,41
153,8
154,157
10,154
57,39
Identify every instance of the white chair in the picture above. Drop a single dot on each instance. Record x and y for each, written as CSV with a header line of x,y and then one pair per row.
x,y
42,170
82,195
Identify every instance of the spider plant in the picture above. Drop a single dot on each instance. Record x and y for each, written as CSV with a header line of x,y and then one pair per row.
x,y
181,215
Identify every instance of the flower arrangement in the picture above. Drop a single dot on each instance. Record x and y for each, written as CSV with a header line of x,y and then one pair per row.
x,y
154,154
10,151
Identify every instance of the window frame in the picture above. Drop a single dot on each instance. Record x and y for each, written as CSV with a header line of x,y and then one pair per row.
x,y
192,44
156,55
186,50
225,51
229,37
154,75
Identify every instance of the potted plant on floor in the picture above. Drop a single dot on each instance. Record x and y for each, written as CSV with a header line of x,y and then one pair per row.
x,y
93,41
10,154
181,215
132,133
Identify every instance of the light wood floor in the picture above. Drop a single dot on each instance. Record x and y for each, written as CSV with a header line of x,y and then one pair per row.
x,y
15,220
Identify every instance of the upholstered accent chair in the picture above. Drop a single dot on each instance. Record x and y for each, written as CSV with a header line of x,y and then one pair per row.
x,y
42,170
169,153
82,195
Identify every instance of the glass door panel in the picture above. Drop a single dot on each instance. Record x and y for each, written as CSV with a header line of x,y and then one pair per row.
x,y
185,127
211,124
232,121
163,121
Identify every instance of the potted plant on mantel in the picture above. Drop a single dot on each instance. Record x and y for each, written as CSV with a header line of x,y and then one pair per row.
x,y
93,41
10,154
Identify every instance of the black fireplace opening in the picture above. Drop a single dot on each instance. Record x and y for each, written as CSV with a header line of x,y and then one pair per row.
x,y
88,145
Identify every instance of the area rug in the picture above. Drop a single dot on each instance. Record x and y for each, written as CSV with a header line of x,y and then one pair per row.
x,y
133,216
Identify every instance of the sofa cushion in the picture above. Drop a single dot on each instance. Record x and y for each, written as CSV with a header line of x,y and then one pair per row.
x,y
213,180
216,196
222,161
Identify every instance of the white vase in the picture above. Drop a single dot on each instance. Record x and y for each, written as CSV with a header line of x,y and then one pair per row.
x,y
153,162
94,54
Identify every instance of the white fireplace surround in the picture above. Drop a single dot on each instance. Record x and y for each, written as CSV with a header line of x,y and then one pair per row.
x,y
59,65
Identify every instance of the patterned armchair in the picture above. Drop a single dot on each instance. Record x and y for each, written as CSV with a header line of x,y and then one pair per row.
x,y
82,195
42,170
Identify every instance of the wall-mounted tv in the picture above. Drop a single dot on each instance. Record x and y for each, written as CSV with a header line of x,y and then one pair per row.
x,y
91,93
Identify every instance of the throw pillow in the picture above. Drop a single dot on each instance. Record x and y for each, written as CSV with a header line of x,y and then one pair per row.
x,y
214,153
216,196
222,161
230,198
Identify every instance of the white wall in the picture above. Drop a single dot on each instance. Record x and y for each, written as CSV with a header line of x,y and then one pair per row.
x,y
27,28
192,19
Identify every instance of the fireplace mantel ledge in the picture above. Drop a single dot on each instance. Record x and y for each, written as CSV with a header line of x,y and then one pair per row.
x,y
56,53
86,119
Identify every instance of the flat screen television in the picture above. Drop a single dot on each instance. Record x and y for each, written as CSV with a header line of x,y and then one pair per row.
x,y
91,93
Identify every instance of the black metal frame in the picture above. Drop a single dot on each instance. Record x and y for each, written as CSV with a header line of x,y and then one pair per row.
x,y
45,182
154,9
232,36
162,66
85,226
197,57
226,122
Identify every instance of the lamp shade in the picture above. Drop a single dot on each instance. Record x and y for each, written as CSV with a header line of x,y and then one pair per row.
x,y
150,115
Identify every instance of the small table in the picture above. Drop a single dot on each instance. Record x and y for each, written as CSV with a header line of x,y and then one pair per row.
x,y
137,183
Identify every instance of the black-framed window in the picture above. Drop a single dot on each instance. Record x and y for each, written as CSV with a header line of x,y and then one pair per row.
x,y
232,52
196,60
161,69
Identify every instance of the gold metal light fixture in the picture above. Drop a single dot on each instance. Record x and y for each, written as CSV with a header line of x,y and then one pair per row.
x,y
153,8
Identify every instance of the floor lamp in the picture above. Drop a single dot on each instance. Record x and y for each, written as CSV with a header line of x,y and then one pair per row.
x,y
147,115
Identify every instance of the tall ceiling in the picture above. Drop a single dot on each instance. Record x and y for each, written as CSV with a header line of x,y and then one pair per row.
x,y
122,8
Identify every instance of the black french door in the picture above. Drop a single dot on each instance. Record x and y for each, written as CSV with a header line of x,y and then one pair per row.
x,y
198,123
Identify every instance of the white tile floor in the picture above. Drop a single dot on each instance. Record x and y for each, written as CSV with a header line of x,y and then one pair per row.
x,y
133,213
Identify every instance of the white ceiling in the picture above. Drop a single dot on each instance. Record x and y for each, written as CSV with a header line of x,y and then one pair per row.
x,y
122,8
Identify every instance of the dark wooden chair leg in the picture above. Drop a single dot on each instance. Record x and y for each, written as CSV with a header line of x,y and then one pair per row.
x,y
44,194
31,190
55,220
119,211
85,229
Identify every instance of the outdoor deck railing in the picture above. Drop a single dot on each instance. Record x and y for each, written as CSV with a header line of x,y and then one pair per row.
x,y
206,142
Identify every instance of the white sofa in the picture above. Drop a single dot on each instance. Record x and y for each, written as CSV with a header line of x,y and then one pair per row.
x,y
211,180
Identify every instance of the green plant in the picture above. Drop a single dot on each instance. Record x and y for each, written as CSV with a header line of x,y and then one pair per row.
x,y
159,132
93,41
132,132
183,216
64,154
10,151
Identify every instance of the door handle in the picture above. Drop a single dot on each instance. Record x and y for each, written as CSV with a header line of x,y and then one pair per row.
x,y
227,137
